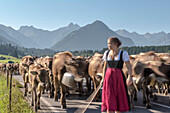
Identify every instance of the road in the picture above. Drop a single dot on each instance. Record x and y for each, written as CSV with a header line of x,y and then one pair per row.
x,y
74,102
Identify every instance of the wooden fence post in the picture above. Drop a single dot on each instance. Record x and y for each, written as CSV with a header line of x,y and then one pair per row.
x,y
7,73
10,91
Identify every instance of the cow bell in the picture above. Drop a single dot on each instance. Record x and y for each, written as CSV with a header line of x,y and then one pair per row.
x,y
68,80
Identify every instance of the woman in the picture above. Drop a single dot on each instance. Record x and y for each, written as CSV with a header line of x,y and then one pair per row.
x,y
114,94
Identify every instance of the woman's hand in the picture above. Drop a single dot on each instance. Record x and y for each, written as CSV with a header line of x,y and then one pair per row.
x,y
129,80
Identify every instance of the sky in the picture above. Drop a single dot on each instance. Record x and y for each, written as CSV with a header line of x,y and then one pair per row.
x,y
141,16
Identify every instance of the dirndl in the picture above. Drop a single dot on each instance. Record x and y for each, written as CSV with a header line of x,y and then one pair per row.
x,y
114,93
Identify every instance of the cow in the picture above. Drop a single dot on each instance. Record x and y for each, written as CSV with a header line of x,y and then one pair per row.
x,y
3,67
161,69
38,77
46,62
64,62
83,64
95,70
138,65
149,69
16,68
24,68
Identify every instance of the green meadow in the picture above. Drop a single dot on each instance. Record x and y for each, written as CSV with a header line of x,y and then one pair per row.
x,y
8,58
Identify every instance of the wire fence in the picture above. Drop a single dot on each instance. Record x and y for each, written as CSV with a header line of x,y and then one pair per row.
x,y
17,103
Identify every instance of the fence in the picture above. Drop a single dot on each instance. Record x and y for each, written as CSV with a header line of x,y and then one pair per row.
x,y
11,98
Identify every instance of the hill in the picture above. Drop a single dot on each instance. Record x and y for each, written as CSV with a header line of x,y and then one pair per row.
x,y
8,58
90,37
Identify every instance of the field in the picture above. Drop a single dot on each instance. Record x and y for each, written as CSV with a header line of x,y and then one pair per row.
x,y
8,58
19,104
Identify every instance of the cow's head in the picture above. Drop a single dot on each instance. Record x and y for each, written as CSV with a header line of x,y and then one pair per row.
x,y
41,76
76,67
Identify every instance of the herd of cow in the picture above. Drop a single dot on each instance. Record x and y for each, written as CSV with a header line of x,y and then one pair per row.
x,y
150,71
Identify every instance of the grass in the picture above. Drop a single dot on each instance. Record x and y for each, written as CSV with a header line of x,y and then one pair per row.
x,y
19,104
9,58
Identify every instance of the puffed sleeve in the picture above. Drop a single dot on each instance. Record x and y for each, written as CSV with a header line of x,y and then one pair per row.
x,y
104,56
125,56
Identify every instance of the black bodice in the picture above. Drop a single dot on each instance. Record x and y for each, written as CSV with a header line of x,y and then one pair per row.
x,y
115,64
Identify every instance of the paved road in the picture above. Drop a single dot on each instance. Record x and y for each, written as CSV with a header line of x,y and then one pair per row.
x,y
74,102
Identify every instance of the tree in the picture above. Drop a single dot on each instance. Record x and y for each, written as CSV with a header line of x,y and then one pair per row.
x,y
15,54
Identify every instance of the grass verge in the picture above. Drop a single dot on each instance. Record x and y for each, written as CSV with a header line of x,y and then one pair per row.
x,y
19,104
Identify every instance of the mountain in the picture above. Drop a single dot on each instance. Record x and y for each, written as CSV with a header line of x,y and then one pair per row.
x,y
16,37
164,40
152,38
138,39
146,39
46,38
6,39
90,37
73,37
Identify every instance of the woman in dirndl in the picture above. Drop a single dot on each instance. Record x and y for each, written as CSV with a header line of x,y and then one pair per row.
x,y
114,94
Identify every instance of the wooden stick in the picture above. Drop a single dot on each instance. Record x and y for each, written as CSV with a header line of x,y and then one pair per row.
x,y
90,98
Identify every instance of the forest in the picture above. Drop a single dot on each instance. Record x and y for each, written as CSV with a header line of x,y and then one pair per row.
x,y
19,52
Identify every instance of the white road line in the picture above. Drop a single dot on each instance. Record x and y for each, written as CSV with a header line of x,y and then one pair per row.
x,y
165,106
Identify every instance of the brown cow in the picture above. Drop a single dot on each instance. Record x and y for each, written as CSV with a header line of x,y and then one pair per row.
x,y
138,65
64,62
3,67
150,69
38,77
46,62
95,70
23,70
16,68
83,64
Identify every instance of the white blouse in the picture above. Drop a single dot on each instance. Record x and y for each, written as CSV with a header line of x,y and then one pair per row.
x,y
125,56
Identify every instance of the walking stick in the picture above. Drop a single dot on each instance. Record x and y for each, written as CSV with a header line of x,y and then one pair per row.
x,y
90,98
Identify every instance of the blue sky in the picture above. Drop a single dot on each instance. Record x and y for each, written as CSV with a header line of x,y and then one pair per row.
x,y
133,15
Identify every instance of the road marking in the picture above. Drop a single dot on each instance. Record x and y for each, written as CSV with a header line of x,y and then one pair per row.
x,y
165,106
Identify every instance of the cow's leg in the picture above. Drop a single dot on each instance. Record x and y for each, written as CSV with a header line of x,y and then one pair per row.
x,y
166,89
154,95
147,98
159,88
130,97
35,98
144,93
63,96
32,93
135,96
96,83
43,91
51,86
38,99
30,89
49,89
80,88
151,92
88,83
25,86
56,88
